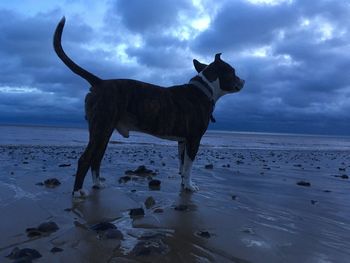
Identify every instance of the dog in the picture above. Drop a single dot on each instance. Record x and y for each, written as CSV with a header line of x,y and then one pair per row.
x,y
181,113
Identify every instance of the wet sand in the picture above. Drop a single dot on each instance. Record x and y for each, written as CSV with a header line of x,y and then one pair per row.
x,y
250,207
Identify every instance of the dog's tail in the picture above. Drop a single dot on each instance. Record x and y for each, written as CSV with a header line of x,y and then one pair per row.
x,y
91,78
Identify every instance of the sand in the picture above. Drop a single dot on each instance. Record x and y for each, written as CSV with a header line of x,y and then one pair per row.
x,y
249,208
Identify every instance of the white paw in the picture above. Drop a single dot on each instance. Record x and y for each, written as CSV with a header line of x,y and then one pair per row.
x,y
190,186
80,194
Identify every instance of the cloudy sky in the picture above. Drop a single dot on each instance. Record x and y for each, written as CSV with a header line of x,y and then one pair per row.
x,y
293,54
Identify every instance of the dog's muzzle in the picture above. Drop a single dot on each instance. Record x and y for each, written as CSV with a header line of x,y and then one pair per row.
x,y
239,85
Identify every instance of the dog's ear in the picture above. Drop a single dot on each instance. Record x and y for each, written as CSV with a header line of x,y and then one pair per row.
x,y
199,66
217,57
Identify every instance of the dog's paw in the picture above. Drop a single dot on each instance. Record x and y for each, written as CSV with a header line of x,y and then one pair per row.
x,y
79,195
190,186
99,186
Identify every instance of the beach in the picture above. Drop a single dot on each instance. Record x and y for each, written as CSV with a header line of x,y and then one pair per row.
x,y
262,198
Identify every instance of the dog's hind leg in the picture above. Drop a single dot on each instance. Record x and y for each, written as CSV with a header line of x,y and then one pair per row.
x,y
191,150
100,133
181,153
96,162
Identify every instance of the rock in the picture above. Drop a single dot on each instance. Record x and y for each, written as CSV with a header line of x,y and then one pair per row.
x,y
181,208
314,202
113,234
209,166
150,247
343,176
149,202
342,169
140,171
154,184
52,182
248,230
56,249
33,233
48,227
24,254
64,165
44,228
136,212
234,197
124,179
304,183
204,234
103,226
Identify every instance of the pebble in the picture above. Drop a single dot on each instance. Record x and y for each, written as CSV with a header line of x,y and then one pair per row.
x,y
44,228
154,184
56,249
150,247
136,212
149,202
344,176
64,165
52,182
141,170
304,183
181,208
209,166
24,254
103,226
124,179
48,227
204,234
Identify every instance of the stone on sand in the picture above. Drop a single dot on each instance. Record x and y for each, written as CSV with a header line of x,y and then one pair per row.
x,y
304,183
24,254
149,202
52,182
154,184
136,212
103,226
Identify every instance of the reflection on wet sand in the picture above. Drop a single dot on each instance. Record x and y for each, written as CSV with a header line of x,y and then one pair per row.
x,y
250,207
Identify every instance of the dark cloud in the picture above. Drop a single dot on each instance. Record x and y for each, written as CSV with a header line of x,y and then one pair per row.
x,y
294,57
151,15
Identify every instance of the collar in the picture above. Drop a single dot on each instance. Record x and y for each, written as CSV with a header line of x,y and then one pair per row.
x,y
201,83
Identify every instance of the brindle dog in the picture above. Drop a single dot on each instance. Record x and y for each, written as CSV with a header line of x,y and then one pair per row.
x,y
181,113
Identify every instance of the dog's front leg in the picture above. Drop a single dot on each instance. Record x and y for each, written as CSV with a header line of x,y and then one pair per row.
x,y
191,149
181,153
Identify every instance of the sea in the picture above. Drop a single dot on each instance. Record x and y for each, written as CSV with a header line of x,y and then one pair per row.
x,y
60,136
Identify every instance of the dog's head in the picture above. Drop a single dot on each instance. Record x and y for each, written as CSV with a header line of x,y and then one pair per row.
x,y
220,76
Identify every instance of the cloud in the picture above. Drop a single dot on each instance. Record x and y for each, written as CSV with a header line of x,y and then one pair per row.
x,y
152,15
292,54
